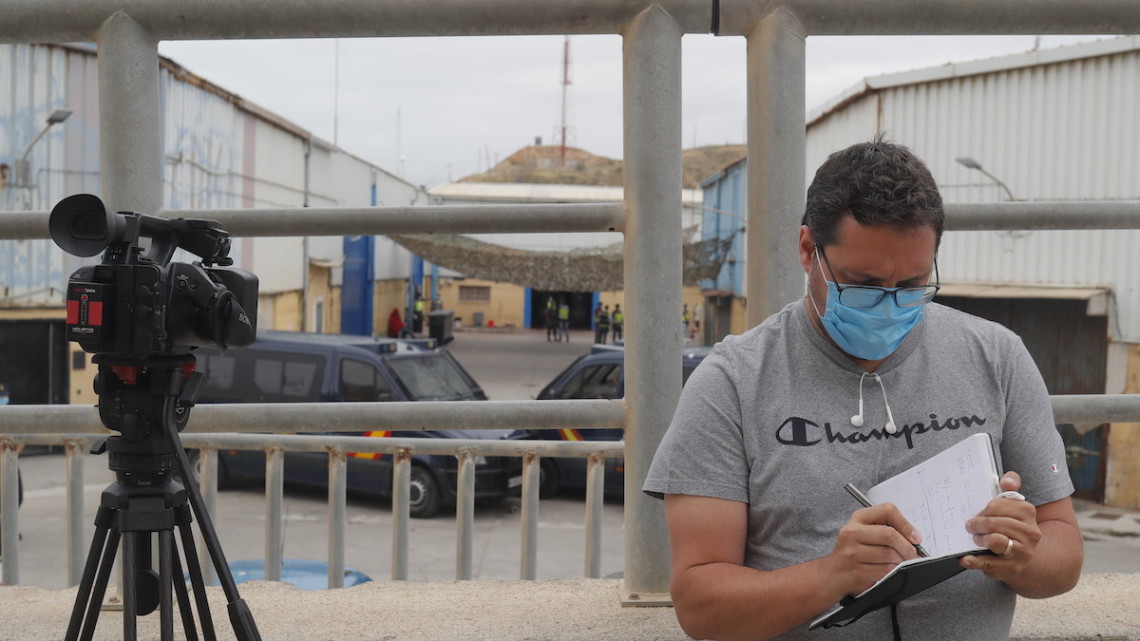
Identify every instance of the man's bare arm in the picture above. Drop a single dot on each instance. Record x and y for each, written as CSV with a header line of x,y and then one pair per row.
x,y
717,597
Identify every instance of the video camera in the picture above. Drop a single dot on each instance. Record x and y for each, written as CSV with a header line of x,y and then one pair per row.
x,y
137,303
141,315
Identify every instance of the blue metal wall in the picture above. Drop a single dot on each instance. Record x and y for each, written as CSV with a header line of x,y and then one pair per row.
x,y
725,195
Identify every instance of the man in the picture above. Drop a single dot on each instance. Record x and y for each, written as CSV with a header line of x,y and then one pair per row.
x,y
598,324
773,424
604,325
418,315
564,319
551,321
618,323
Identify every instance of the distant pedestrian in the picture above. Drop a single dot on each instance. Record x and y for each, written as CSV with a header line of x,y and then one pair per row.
x,y
550,316
617,321
697,320
604,325
598,323
564,319
686,317
418,315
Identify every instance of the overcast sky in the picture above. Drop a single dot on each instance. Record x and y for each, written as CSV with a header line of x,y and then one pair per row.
x,y
448,106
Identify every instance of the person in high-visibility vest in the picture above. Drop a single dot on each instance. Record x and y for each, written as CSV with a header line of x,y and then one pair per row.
x,y
602,324
564,320
618,323
418,317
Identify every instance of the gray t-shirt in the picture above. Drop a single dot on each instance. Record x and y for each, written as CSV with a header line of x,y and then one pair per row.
x,y
766,420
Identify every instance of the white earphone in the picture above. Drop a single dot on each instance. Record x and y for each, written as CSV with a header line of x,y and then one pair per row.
x,y
857,420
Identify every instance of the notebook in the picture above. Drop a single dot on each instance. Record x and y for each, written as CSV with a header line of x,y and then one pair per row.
x,y
937,496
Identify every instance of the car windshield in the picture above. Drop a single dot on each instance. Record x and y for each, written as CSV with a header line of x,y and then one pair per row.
x,y
432,377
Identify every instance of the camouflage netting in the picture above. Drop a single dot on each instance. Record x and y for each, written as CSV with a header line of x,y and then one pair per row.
x,y
580,270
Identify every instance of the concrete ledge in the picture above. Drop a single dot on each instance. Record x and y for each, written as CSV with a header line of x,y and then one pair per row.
x,y
1103,607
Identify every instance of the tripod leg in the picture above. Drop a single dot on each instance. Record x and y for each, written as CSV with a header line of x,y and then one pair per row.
x,y
103,521
166,581
183,598
130,589
245,628
189,550
100,589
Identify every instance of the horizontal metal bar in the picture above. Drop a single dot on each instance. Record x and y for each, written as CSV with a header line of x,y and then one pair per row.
x,y
1096,408
385,445
939,17
70,21
340,417
393,445
1061,214
42,424
352,221
444,219
23,225
597,217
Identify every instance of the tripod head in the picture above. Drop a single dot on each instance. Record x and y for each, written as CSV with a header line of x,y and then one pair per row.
x,y
137,397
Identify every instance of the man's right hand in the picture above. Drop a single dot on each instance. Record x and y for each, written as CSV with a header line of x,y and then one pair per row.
x,y
872,542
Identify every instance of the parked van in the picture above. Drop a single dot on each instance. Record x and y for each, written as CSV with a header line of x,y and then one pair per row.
x,y
296,367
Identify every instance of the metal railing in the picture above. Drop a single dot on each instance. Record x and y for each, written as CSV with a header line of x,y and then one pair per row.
x,y
130,136
337,448
208,437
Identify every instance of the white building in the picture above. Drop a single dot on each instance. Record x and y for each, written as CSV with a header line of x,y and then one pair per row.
x,y
1057,124
219,152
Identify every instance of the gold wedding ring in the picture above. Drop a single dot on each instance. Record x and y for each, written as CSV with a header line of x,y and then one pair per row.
x,y
1008,547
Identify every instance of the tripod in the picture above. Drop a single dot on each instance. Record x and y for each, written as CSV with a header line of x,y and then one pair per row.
x,y
148,401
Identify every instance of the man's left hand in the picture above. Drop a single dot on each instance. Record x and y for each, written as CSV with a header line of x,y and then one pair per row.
x,y
1008,528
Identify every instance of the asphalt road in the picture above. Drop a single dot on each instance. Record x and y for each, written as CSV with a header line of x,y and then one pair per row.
x,y
511,365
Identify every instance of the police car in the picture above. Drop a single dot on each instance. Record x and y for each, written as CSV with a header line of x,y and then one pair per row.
x,y
297,367
598,374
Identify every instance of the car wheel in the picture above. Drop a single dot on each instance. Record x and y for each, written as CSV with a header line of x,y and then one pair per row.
x,y
424,494
195,457
549,480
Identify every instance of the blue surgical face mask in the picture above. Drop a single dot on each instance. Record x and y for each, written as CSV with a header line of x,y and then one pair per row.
x,y
871,333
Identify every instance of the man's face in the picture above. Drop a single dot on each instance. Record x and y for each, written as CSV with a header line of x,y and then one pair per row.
x,y
869,255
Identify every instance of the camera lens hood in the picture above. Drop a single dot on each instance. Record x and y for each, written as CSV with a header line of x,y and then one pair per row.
x,y
81,225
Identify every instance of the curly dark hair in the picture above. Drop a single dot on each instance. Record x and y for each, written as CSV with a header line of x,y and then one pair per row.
x,y
878,183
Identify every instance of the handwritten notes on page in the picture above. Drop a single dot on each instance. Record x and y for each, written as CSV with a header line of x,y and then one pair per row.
x,y
940,494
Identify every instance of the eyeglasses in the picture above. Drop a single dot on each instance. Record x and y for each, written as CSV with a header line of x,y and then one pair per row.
x,y
864,296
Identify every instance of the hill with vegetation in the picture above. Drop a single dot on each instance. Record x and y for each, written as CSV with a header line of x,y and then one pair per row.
x,y
544,164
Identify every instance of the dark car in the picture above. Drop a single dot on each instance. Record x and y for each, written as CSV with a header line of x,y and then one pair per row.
x,y
296,367
598,374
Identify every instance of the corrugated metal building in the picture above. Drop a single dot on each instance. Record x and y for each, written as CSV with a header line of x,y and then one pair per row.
x,y
1058,124
219,151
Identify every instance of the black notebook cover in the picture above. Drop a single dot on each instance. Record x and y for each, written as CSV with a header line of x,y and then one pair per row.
x,y
904,581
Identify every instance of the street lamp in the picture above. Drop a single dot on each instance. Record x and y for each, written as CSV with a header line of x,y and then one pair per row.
x,y
970,163
22,172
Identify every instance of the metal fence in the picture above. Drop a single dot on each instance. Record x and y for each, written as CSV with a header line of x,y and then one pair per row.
x,y
337,448
776,30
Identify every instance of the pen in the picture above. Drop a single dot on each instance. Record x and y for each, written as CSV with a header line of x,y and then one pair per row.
x,y
866,502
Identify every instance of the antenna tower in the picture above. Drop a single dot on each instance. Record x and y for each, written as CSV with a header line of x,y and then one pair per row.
x,y
565,85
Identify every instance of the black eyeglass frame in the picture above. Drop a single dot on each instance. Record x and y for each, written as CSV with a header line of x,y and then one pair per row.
x,y
929,291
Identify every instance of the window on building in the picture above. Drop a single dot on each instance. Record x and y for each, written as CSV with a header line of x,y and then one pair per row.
x,y
474,294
